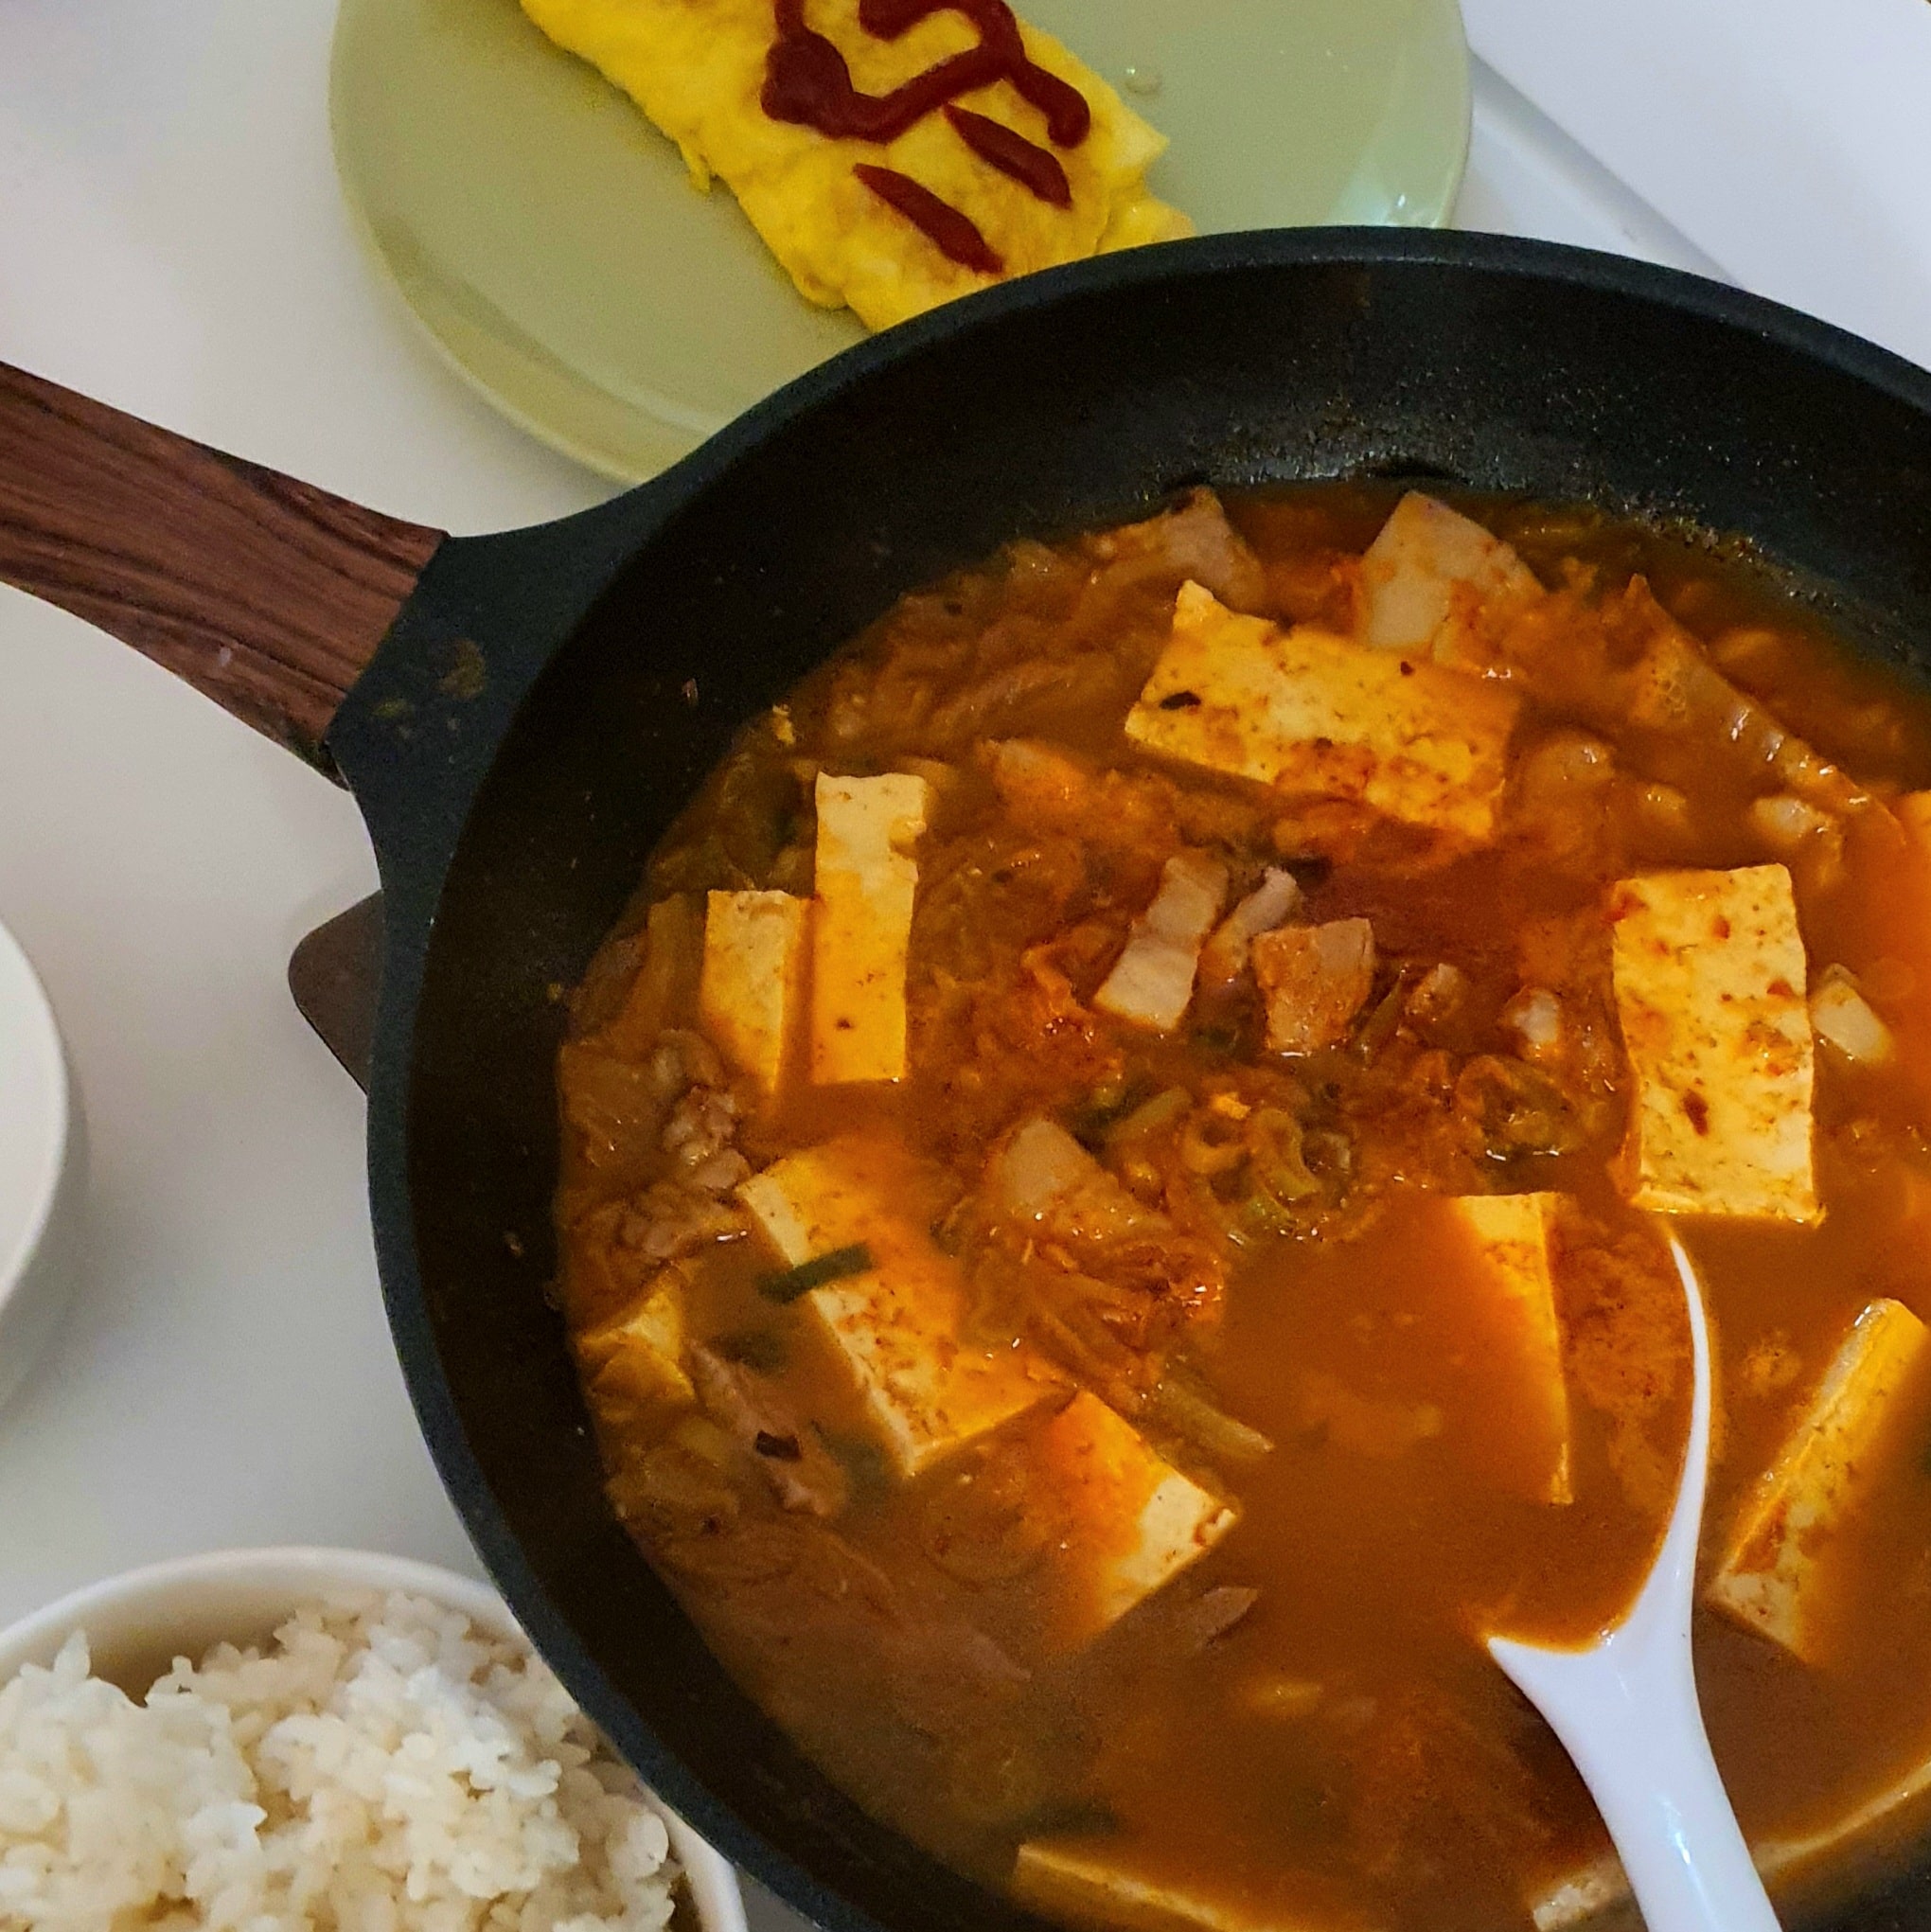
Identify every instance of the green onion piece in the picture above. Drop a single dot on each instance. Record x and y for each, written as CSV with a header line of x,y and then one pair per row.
x,y
1150,1115
788,1284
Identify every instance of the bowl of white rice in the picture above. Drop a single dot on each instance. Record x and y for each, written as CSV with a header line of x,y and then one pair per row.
x,y
282,1739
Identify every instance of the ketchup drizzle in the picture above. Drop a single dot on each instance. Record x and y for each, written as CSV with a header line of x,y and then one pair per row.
x,y
998,146
807,81
955,235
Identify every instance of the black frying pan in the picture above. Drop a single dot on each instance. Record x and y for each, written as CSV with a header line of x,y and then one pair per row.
x,y
542,702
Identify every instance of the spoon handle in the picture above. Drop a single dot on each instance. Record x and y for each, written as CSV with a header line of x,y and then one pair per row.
x,y
1626,1710
1636,1736
1686,1861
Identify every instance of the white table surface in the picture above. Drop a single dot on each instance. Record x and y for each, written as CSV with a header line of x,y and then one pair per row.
x,y
1790,138
171,241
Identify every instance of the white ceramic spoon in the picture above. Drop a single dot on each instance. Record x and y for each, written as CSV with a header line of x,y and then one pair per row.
x,y
1626,1710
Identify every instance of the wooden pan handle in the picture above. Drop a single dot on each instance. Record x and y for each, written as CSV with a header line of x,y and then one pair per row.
x,y
266,595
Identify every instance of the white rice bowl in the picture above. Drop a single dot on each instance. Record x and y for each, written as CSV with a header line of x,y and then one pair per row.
x,y
383,1764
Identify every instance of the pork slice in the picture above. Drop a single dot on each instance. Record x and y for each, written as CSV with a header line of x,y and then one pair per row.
x,y
802,1472
1152,981
1314,980
1270,904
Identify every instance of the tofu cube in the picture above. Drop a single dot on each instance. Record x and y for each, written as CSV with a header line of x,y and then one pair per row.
x,y
635,1360
1709,976
1135,1521
1429,574
866,882
1312,714
896,1328
1117,1880
1511,1233
1152,981
1313,981
1769,1577
753,969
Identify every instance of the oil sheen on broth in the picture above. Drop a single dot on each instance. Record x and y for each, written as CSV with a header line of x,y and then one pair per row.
x,y
1108,1203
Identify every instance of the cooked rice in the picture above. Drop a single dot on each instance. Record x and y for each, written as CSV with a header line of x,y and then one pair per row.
x,y
382,1766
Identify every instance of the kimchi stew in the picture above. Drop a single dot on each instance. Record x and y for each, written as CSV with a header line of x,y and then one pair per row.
x,y
1113,1193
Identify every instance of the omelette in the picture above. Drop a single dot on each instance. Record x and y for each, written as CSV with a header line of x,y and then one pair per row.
x,y
892,153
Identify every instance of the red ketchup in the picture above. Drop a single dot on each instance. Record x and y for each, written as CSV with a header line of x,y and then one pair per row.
x,y
1013,154
954,233
809,83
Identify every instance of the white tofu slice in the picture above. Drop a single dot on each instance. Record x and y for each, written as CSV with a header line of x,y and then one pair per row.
x,y
1152,981
1310,713
1513,1233
867,880
1313,981
636,1358
1270,904
1428,574
752,972
1134,1521
1768,1579
1112,1881
1709,987
897,1327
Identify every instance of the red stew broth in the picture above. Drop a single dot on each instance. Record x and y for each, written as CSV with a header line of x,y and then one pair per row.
x,y
1344,1749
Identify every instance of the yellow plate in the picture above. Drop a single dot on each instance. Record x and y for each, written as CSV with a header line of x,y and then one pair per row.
x,y
548,239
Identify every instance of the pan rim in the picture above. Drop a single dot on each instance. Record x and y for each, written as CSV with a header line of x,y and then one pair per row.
x,y
638,516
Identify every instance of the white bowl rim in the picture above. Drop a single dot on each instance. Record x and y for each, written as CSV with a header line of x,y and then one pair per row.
x,y
308,1571
25,1006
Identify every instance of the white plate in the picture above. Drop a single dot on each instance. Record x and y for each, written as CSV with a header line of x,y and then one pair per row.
x,y
40,1168
549,239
